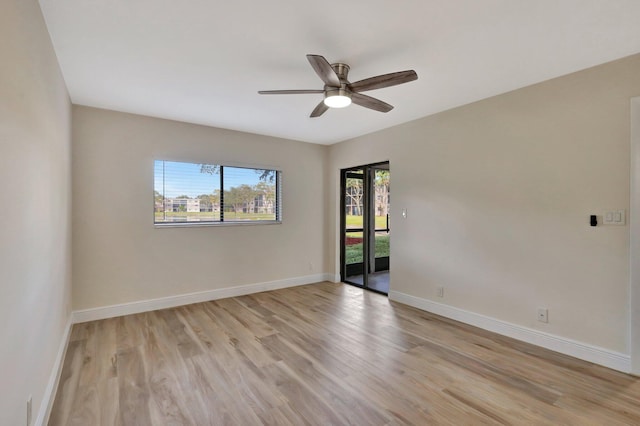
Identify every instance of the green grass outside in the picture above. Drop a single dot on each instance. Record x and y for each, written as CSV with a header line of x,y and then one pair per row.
x,y
354,252
356,222
352,221
214,216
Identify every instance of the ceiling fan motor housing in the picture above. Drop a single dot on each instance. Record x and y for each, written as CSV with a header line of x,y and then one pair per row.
x,y
338,97
342,70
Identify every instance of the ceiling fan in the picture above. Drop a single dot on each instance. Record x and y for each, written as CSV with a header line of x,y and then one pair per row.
x,y
339,92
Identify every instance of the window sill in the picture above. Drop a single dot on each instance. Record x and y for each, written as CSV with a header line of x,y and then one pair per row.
x,y
214,224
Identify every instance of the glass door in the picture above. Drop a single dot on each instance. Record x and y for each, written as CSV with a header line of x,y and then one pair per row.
x,y
353,218
380,234
365,226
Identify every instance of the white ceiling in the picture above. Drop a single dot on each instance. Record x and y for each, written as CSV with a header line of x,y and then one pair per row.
x,y
202,61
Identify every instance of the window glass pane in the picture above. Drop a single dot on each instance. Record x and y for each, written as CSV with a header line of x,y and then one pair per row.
x,y
354,200
186,192
250,194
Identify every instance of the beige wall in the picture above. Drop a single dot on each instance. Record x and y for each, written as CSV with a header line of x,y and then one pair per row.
x,y
35,188
499,194
119,256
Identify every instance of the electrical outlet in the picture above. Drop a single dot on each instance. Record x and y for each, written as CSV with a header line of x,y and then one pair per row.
x,y
440,292
543,315
29,403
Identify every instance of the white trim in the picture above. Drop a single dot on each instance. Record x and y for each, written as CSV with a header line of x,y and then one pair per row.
x,y
139,306
607,358
634,240
159,225
50,392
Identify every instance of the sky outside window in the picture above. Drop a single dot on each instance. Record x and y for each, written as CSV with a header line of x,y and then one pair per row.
x,y
180,178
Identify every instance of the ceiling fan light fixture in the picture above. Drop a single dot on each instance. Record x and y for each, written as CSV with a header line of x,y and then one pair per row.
x,y
337,98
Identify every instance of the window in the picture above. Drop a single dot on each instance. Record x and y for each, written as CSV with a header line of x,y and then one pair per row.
x,y
212,193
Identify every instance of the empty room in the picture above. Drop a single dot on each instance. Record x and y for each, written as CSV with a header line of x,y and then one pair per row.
x,y
348,213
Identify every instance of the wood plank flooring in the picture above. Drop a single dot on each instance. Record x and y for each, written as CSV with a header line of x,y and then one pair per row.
x,y
324,354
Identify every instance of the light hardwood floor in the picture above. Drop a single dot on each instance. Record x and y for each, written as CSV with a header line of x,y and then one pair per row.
x,y
324,354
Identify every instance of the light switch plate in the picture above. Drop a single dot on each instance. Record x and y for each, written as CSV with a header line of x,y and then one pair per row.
x,y
614,217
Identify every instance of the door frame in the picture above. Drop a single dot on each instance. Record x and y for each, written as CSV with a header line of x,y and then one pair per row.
x,y
367,219
634,241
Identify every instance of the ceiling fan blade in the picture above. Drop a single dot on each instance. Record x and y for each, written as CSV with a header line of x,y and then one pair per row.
x,y
319,110
288,92
385,80
371,103
323,68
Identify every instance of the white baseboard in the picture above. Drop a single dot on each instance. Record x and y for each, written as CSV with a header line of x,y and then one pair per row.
x,y
186,299
597,355
50,392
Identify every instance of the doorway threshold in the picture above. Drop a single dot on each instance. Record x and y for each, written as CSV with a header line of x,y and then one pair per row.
x,y
378,281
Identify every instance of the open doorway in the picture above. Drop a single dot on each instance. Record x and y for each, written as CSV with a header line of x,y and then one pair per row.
x,y
365,236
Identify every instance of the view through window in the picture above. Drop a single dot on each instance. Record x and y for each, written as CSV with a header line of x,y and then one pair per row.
x,y
212,193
